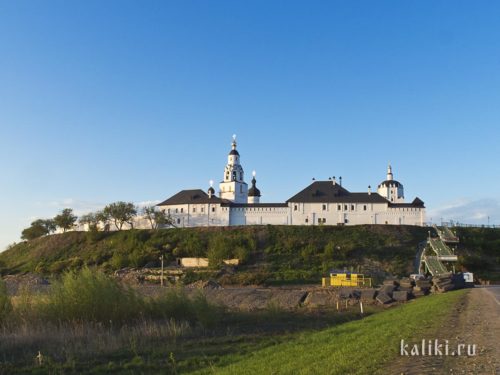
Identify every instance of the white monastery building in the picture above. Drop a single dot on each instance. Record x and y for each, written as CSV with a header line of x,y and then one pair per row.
x,y
320,203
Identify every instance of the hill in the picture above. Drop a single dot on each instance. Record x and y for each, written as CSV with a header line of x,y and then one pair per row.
x,y
268,254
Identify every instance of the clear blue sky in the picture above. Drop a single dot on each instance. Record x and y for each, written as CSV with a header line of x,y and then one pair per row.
x,y
116,100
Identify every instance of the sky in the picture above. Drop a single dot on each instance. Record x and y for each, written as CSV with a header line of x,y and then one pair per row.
x,y
104,101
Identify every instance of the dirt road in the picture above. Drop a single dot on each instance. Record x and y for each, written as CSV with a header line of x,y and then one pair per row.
x,y
475,321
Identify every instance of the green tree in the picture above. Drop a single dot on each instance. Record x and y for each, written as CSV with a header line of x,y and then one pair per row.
x,y
242,253
308,252
38,228
157,218
103,217
90,219
163,219
329,251
193,245
65,220
120,213
219,248
149,213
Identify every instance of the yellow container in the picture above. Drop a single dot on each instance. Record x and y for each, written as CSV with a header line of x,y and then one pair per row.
x,y
347,279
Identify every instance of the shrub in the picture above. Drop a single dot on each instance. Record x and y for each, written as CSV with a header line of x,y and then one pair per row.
x,y
219,248
89,295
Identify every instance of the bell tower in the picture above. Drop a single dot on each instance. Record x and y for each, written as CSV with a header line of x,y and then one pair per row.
x,y
233,187
391,189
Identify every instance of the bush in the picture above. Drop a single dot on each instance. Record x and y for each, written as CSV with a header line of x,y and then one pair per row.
x,y
90,296
219,248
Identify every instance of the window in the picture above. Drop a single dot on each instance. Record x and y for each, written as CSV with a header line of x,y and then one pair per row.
x,y
241,188
213,209
295,207
339,207
319,220
324,207
345,207
178,221
352,207
176,210
194,209
168,210
324,220
364,207
182,210
203,209
307,220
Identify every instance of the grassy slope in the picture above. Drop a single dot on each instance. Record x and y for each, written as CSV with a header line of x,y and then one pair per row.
x,y
287,252
278,253
358,347
479,251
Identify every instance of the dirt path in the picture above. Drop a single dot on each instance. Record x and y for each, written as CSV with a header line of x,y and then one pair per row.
x,y
475,320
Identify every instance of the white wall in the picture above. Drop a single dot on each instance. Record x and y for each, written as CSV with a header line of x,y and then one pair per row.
x,y
198,215
259,215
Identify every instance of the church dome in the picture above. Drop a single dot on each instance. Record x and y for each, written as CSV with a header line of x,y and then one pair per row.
x,y
211,190
253,191
234,152
390,183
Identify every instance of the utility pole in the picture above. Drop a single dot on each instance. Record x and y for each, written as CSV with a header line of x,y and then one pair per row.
x,y
161,280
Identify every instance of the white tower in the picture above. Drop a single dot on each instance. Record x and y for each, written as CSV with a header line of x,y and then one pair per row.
x,y
391,189
233,187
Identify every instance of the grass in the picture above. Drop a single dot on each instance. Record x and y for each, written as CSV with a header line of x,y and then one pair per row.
x,y
174,334
358,347
90,323
280,254
288,253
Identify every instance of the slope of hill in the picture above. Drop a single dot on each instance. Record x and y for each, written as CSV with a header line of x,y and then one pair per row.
x,y
268,253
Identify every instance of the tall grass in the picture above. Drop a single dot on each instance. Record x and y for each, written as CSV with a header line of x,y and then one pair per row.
x,y
92,296
175,304
87,313
89,295
5,304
